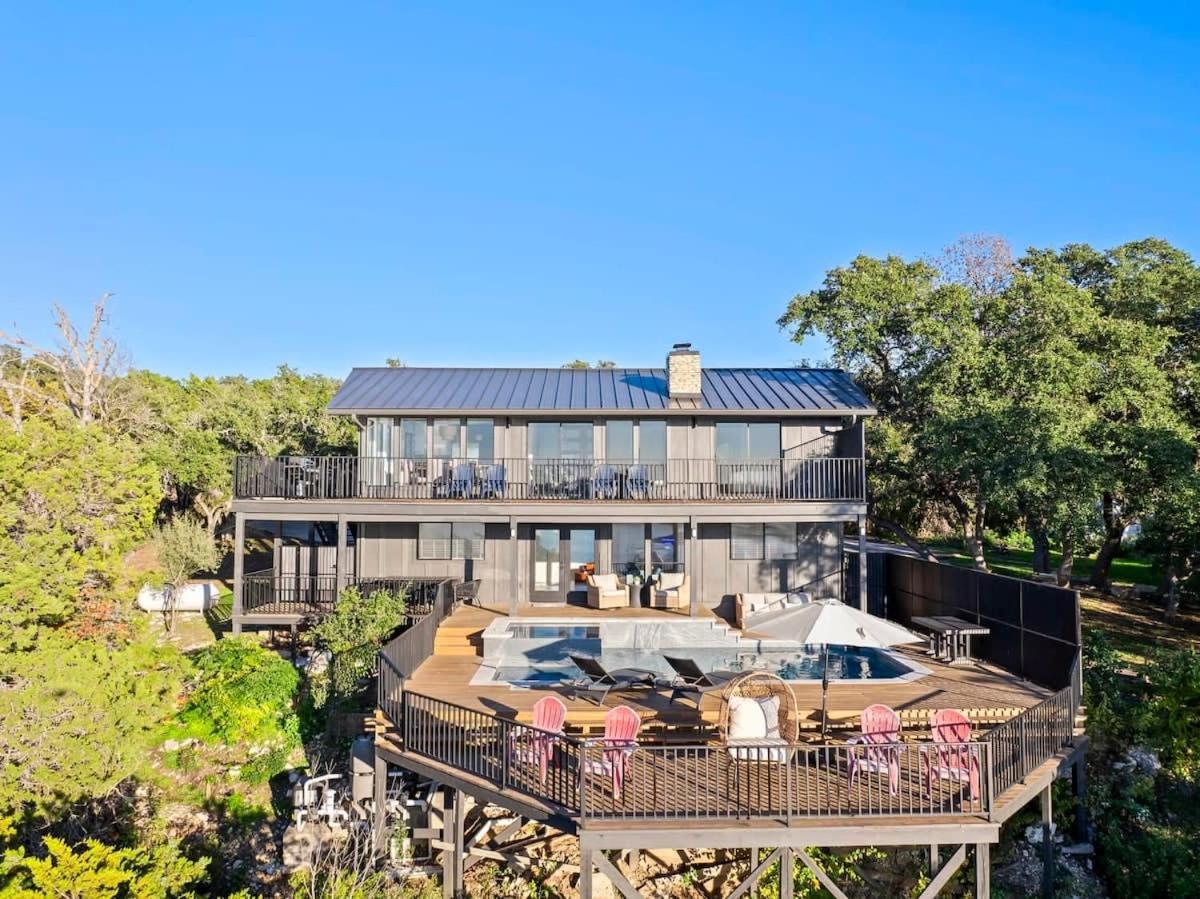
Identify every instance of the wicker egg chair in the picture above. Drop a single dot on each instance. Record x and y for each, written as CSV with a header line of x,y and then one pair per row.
x,y
762,685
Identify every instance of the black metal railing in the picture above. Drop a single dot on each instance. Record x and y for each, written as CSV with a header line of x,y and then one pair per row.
x,y
1021,744
702,480
316,594
403,654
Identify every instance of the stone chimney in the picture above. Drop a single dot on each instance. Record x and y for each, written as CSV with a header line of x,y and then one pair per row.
x,y
683,372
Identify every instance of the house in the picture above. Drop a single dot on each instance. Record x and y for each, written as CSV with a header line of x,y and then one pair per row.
x,y
528,480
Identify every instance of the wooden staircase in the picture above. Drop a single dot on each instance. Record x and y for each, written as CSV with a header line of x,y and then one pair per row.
x,y
458,640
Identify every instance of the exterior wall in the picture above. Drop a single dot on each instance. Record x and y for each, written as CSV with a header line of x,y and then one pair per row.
x,y
719,577
389,549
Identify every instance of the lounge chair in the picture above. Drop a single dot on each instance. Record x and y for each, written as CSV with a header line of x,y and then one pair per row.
x,y
691,680
637,482
597,681
950,758
492,481
605,484
880,740
534,746
616,748
462,479
604,591
672,591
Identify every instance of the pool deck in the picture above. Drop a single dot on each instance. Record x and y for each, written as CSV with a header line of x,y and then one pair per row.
x,y
986,694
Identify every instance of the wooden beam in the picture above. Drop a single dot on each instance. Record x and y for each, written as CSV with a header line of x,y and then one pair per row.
x,y
341,579
239,567
983,871
824,878
587,864
757,870
1047,842
947,871
787,873
613,873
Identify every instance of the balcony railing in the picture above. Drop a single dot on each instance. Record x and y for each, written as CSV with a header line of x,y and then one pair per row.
x,y
698,480
691,783
269,592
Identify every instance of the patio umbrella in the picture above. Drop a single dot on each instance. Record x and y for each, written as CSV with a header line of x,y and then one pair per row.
x,y
829,622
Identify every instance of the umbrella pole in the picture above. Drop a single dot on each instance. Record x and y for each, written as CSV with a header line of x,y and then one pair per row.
x,y
824,685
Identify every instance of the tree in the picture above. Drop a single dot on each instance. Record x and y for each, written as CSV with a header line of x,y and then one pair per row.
x,y
184,548
84,366
583,363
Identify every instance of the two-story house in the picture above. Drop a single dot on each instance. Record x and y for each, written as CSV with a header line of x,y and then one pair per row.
x,y
528,480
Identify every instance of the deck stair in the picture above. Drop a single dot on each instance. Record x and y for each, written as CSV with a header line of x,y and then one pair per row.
x,y
458,640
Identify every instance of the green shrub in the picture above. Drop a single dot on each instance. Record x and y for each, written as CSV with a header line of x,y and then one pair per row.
x,y
359,625
1172,715
245,693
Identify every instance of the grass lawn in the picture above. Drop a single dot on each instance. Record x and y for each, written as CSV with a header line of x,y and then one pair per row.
x,y
1125,570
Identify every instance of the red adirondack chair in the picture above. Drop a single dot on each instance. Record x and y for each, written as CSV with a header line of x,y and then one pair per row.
x,y
881,741
616,748
948,758
535,745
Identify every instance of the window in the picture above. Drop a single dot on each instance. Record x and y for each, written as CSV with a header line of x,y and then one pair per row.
x,y
480,439
560,440
745,541
775,542
377,444
628,547
618,441
652,441
740,440
412,438
446,437
443,540
666,546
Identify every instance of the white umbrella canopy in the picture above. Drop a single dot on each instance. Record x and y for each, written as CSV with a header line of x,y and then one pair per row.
x,y
832,623
826,623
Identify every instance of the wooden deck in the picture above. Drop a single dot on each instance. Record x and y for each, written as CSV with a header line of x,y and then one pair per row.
x,y
987,694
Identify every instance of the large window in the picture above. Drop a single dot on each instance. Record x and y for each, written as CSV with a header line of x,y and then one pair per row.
x,y
740,440
644,441
666,546
628,547
413,444
618,440
774,542
560,439
652,441
446,438
480,439
443,540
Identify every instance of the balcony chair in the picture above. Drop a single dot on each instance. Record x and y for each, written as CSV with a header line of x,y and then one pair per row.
x,y
492,481
616,747
880,754
606,483
637,482
605,591
461,482
950,758
597,681
534,746
672,591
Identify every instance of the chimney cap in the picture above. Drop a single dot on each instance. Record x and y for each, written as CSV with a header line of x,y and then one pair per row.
x,y
682,348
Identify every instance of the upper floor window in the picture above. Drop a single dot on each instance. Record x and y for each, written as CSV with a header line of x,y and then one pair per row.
x,y
413,442
738,440
379,438
560,439
626,440
481,436
446,438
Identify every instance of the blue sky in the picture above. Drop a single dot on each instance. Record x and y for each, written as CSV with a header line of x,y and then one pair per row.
x,y
522,185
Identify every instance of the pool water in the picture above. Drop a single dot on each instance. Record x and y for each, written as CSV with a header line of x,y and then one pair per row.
x,y
845,663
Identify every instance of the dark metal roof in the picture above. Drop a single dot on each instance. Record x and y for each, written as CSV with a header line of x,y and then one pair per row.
x,y
812,391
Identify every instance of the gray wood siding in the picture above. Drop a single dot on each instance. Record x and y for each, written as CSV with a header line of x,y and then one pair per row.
x,y
389,549
719,577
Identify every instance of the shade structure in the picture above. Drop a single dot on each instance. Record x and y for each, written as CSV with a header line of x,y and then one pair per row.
x,y
829,622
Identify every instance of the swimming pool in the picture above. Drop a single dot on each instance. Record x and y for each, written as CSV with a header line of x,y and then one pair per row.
x,y
525,654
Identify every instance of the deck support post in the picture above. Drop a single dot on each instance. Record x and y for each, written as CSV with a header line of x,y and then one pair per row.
x,y
452,856
862,562
587,864
239,567
692,566
1047,843
379,797
514,545
787,874
1079,789
341,566
755,854
983,871
935,860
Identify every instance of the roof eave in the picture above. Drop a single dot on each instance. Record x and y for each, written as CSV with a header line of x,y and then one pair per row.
x,y
865,411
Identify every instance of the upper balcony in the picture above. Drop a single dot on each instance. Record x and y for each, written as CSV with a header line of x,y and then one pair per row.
x,y
818,479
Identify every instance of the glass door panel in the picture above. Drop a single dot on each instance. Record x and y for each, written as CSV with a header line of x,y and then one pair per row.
x,y
547,565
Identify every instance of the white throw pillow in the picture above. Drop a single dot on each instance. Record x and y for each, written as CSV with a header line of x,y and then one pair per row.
x,y
746,719
605,582
770,713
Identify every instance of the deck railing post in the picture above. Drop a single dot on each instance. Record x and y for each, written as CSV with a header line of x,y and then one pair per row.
x,y
583,767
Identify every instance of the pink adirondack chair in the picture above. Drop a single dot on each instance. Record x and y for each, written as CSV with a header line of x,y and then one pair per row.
x,y
948,758
535,745
616,748
881,739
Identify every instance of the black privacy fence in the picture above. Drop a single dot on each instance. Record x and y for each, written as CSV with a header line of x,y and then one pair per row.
x,y
1034,627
